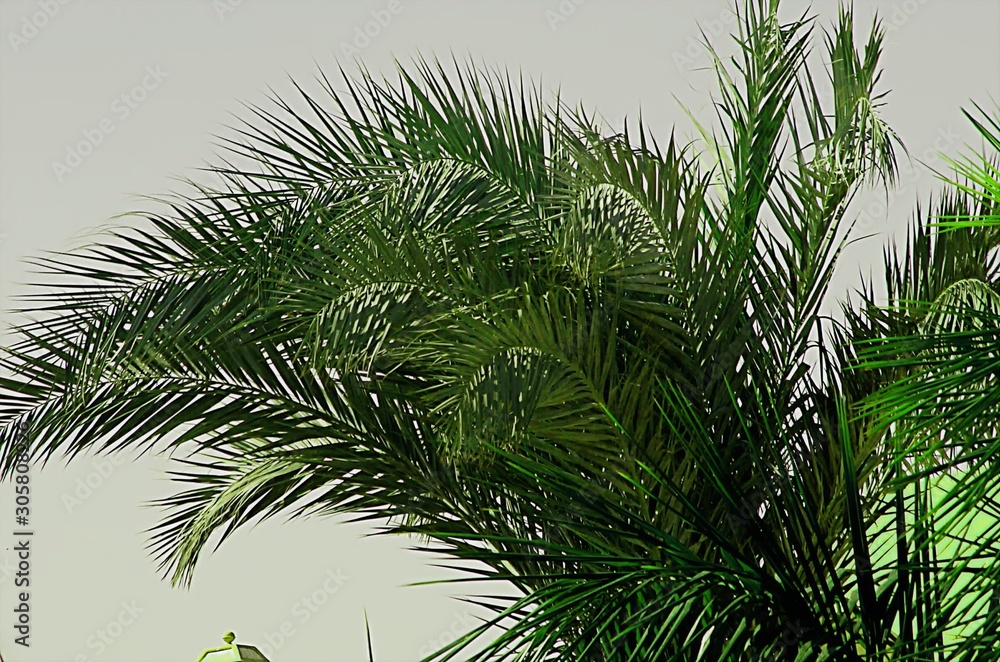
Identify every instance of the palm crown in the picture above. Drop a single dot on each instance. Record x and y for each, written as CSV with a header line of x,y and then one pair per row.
x,y
575,357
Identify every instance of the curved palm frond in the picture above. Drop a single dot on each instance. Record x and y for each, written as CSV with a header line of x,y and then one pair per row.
x,y
566,355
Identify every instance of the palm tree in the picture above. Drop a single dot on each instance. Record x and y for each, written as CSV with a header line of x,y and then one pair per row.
x,y
574,356
941,337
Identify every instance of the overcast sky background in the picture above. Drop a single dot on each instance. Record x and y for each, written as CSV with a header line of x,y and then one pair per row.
x,y
61,75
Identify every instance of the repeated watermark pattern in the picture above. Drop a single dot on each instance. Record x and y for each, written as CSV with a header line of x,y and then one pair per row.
x,y
693,54
102,638
364,35
303,611
122,107
225,7
901,13
34,23
562,13
85,487
909,175
459,626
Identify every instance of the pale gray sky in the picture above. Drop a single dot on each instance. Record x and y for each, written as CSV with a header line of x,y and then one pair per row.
x,y
300,588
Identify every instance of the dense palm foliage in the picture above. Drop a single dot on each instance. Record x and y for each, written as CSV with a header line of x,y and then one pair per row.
x,y
574,357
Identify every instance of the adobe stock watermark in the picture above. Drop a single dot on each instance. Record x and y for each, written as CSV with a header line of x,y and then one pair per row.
x,y
364,35
461,625
695,50
34,23
562,13
223,7
86,486
303,610
121,108
793,635
908,176
101,639
901,13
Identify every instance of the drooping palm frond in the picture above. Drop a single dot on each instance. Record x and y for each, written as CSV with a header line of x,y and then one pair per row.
x,y
563,354
265,321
